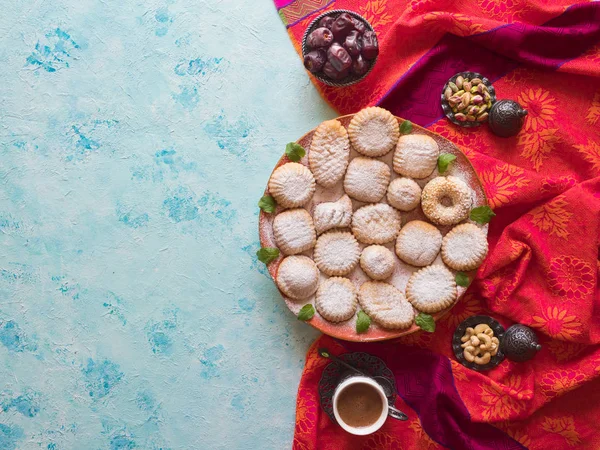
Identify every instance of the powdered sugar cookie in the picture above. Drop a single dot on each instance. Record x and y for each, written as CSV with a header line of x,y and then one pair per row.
x,y
329,153
446,200
297,277
336,253
377,262
292,185
373,131
333,214
464,247
431,289
336,299
416,155
294,231
376,224
404,194
386,305
367,179
418,243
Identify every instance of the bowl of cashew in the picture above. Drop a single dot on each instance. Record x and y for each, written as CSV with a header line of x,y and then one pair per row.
x,y
476,343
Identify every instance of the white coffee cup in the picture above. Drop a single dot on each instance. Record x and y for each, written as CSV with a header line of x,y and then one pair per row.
x,y
361,431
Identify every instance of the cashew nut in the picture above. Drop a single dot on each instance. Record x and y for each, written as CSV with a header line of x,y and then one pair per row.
x,y
489,332
479,344
468,354
485,339
483,359
475,341
469,331
465,338
481,328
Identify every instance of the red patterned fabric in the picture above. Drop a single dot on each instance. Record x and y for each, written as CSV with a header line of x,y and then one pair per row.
x,y
544,185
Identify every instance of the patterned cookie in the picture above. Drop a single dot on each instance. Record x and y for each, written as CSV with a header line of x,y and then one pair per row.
x,y
297,277
418,243
367,179
446,200
464,247
336,299
373,131
377,262
292,185
336,253
333,214
329,153
431,289
376,224
404,194
386,305
416,155
294,231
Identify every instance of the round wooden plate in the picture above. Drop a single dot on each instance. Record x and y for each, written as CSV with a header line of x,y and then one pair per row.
x,y
461,168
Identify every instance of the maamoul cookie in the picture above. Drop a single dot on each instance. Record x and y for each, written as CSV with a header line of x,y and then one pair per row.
x,y
294,231
373,131
446,200
404,194
367,179
464,247
418,243
292,185
329,153
336,253
297,277
336,299
330,215
416,155
377,262
431,289
386,305
376,224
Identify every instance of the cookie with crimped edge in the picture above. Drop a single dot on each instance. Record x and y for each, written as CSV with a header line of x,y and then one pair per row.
x,y
336,299
377,262
416,155
292,185
404,194
431,289
386,305
329,153
464,247
376,224
418,243
330,215
294,231
336,253
367,179
446,200
297,277
373,131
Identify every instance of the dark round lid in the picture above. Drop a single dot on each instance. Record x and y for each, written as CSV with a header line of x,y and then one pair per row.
x,y
520,343
506,118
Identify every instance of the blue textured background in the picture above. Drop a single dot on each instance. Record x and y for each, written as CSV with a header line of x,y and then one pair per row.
x,y
136,139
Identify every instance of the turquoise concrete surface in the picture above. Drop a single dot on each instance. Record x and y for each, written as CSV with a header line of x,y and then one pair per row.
x,y
136,139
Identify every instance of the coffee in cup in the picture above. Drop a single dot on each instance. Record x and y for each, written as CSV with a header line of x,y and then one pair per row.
x,y
360,405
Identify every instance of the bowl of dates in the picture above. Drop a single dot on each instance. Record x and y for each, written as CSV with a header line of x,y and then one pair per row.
x,y
339,48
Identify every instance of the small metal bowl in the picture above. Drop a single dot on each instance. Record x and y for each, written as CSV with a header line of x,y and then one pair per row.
x,y
446,106
350,79
460,332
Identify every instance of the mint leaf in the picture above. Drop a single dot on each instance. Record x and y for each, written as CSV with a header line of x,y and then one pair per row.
x,y
306,312
425,322
267,254
406,127
482,214
267,204
295,152
363,322
444,161
462,279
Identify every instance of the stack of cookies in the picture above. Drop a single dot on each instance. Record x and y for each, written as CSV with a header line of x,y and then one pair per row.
x,y
364,247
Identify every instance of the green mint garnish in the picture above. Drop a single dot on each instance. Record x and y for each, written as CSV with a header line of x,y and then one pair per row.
x,y
295,152
425,322
406,127
306,312
267,204
444,161
363,322
482,214
462,279
267,254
